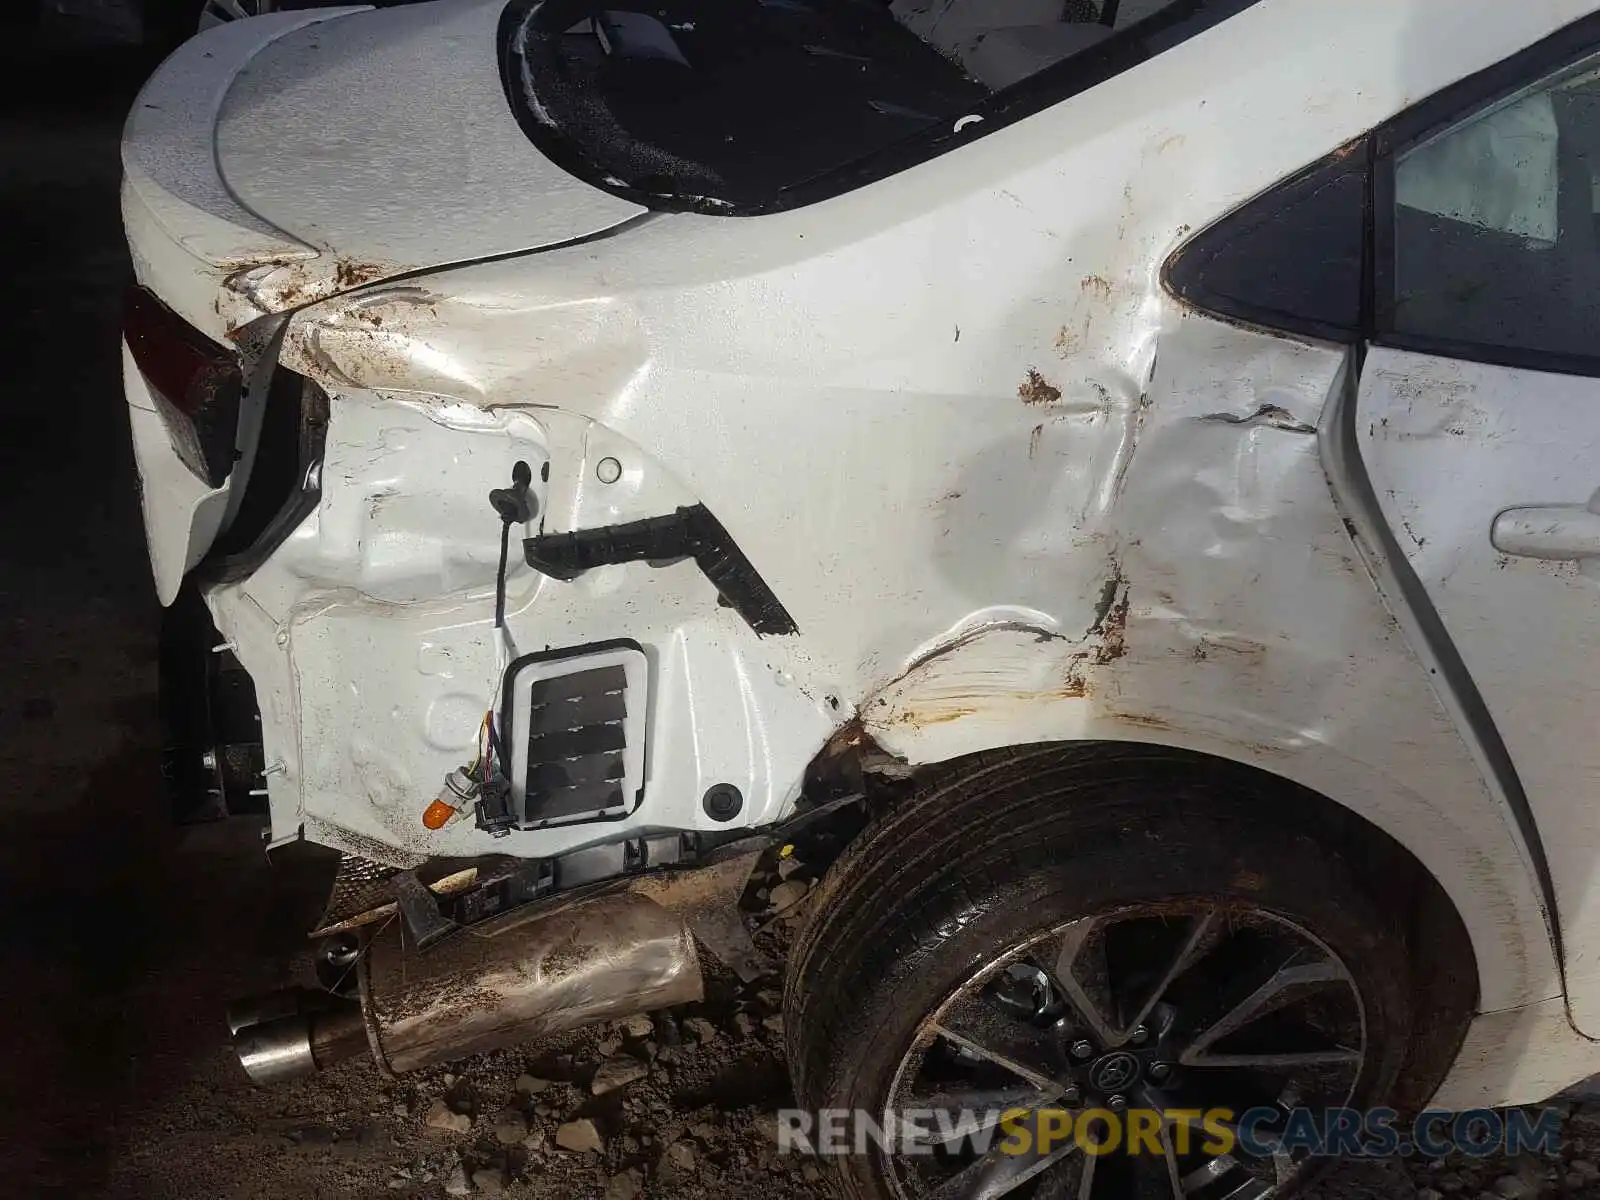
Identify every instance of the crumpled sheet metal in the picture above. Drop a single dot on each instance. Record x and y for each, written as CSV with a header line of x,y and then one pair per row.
x,y
1203,591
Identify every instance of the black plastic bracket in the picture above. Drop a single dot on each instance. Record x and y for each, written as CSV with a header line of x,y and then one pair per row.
x,y
523,881
688,533
420,908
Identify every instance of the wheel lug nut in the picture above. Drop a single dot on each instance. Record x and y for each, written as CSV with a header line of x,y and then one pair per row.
x,y
1081,1048
1139,1036
1117,1103
1071,1096
1160,1070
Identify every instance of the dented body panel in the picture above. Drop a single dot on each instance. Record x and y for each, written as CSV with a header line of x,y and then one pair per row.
x,y
1008,489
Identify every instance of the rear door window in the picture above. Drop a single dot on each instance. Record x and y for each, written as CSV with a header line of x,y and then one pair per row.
x,y
1492,249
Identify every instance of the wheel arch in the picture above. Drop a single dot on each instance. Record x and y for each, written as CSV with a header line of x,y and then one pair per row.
x,y
1445,984
1464,872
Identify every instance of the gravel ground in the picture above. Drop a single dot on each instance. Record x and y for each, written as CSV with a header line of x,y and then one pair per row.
x,y
123,938
676,1105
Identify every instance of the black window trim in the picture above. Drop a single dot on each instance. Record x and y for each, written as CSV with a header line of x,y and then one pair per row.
x,y
1182,272
1454,104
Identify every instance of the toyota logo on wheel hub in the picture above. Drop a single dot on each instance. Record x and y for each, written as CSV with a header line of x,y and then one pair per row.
x,y
1114,1072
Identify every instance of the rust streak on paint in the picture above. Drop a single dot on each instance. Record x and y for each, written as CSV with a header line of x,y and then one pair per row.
x,y
352,273
944,686
1143,720
1349,148
1113,632
920,717
1036,389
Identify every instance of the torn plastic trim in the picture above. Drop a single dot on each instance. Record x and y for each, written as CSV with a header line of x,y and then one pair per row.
x,y
471,890
688,533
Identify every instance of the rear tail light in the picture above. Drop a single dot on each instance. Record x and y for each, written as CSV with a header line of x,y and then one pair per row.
x,y
196,384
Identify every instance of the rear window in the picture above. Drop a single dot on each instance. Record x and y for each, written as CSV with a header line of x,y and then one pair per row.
x,y
745,106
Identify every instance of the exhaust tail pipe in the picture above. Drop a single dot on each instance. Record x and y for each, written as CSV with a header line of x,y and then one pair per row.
x,y
492,985
300,1043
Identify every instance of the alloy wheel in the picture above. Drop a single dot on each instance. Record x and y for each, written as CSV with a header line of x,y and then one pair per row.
x,y
1175,1010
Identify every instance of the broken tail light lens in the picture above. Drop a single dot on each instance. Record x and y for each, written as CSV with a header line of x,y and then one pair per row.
x,y
195,383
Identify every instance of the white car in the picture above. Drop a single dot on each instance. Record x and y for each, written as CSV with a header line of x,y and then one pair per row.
x,y
1125,475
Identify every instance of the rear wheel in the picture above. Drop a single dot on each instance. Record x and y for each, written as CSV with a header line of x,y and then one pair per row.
x,y
1124,932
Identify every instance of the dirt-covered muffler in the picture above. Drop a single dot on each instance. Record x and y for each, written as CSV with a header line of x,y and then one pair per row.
x,y
527,973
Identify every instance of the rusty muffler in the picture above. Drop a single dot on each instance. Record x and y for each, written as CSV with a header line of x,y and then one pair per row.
x,y
490,985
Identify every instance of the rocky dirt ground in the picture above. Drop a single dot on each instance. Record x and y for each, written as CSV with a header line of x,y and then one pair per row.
x,y
122,938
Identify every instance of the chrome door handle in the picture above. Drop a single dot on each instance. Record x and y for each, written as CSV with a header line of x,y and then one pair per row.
x,y
1557,532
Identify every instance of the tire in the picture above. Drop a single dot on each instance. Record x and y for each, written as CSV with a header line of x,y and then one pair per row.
x,y
1102,848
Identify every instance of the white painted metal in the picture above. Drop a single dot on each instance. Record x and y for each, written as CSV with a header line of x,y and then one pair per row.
x,y
414,158
181,512
1519,1056
186,231
1450,445
1008,489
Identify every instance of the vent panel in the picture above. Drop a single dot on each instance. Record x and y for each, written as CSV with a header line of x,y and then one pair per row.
x,y
577,733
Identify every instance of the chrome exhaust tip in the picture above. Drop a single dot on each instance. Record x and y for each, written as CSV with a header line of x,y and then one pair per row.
x,y
276,1051
300,1032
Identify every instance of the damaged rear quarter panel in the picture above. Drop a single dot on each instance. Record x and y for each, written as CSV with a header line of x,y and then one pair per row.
x,y
1219,605
1008,490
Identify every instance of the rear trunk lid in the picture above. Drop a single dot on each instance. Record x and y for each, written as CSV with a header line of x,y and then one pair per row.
x,y
301,154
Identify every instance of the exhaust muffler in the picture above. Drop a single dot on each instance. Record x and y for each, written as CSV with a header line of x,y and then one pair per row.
x,y
491,985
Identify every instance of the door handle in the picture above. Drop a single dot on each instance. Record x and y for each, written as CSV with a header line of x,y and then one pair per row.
x,y
1556,532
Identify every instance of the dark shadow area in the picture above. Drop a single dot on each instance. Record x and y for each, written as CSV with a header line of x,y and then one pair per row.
x,y
121,936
